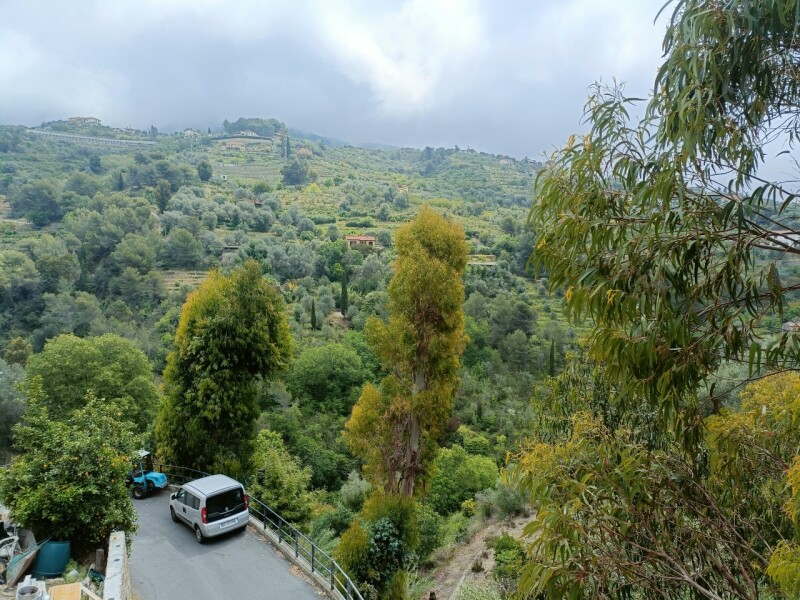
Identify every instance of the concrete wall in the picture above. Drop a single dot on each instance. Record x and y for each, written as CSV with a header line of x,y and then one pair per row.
x,y
117,585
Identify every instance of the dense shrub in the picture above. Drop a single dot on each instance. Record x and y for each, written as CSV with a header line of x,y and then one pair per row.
x,y
279,480
68,481
354,491
431,534
457,476
336,521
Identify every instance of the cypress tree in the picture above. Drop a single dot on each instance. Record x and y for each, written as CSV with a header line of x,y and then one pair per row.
x,y
552,358
313,314
343,302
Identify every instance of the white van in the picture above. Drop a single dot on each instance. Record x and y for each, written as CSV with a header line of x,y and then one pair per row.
x,y
211,506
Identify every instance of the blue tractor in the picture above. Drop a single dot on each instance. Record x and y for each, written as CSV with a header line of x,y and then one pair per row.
x,y
143,478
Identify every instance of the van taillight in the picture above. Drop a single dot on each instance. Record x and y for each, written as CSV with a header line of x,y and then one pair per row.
x,y
204,515
246,502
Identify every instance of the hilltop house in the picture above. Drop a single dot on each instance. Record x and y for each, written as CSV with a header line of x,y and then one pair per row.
x,y
248,133
190,133
361,240
233,145
84,120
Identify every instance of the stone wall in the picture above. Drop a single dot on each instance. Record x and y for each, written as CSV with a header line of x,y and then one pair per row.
x,y
117,585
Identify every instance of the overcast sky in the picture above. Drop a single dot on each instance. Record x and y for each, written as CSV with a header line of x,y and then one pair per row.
x,y
508,77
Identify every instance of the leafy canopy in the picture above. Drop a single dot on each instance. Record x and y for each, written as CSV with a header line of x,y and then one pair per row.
x,y
664,232
68,482
668,235
394,429
232,332
110,367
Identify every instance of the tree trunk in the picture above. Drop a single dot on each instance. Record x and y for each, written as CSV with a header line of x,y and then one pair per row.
x,y
411,462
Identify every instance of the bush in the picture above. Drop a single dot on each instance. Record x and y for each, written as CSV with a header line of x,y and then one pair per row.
x,y
401,511
457,476
431,533
473,442
68,483
386,552
278,479
352,553
508,501
479,591
509,556
502,501
354,491
336,521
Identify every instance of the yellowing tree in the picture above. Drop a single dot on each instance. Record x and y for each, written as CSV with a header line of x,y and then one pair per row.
x,y
232,331
394,428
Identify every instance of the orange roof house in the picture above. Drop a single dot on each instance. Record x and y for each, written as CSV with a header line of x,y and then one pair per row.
x,y
361,240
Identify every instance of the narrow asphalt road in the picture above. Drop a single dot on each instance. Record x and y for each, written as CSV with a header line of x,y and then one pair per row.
x,y
167,563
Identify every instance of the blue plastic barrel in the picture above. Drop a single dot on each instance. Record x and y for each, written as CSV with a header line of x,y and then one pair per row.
x,y
52,559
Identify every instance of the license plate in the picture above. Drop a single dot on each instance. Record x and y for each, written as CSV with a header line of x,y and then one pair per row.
x,y
229,523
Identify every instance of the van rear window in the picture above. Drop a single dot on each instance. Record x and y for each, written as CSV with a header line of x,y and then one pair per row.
x,y
227,503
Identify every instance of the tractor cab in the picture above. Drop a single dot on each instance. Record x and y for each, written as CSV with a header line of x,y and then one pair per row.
x,y
143,478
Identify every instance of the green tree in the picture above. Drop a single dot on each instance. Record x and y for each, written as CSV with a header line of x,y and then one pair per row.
x,y
344,302
77,313
182,250
161,194
68,480
394,429
18,350
295,173
19,279
326,378
279,480
653,226
204,171
313,314
110,367
136,251
458,476
39,202
119,182
669,234
83,184
11,404
56,261
95,166
232,332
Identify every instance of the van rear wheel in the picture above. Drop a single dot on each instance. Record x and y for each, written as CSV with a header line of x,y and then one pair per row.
x,y
198,535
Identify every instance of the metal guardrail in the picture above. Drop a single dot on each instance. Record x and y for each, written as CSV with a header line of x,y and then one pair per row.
x,y
305,550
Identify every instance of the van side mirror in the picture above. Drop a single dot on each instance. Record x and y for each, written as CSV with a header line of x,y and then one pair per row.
x,y
172,496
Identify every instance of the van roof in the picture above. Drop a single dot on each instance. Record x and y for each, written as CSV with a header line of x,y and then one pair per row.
x,y
213,483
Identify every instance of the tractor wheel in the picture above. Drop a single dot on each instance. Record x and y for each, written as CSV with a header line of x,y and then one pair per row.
x,y
150,487
198,535
173,515
138,492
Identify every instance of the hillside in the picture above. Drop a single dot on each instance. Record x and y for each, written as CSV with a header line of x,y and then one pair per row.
x,y
99,238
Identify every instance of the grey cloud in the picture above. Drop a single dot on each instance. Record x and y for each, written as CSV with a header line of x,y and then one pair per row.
x,y
508,77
